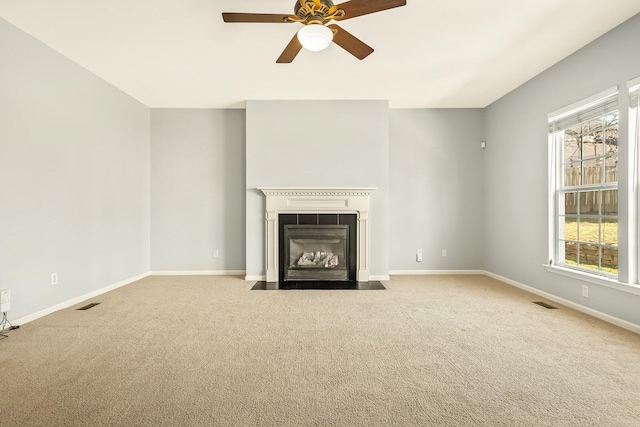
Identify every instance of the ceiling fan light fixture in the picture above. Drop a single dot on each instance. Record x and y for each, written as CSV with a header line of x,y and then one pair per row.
x,y
315,37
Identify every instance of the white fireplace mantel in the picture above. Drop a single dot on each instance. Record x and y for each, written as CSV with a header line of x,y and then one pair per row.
x,y
330,200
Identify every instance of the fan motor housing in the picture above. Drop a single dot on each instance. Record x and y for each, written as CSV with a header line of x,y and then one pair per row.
x,y
312,14
327,3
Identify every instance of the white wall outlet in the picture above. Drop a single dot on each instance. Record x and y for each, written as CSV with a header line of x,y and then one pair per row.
x,y
444,252
585,291
54,278
216,253
419,255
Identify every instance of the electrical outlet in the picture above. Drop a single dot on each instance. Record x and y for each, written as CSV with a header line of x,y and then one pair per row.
x,y
585,291
54,278
215,253
444,252
419,255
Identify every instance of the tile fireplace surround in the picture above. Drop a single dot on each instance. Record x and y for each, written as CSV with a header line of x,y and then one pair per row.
x,y
321,200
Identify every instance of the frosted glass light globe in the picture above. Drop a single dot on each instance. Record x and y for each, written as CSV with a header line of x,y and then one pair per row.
x,y
315,37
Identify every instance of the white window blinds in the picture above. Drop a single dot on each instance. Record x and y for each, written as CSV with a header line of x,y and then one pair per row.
x,y
590,108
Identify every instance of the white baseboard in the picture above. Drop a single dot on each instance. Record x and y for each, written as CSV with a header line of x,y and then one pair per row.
x,y
591,312
38,314
434,272
199,273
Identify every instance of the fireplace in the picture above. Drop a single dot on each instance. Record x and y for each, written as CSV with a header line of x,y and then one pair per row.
x,y
317,247
314,209
316,252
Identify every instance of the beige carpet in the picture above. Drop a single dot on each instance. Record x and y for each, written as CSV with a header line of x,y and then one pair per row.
x,y
207,351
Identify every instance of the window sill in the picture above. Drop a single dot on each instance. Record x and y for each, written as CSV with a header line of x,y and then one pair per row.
x,y
598,280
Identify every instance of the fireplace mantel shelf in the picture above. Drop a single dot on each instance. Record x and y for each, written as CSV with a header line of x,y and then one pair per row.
x,y
321,200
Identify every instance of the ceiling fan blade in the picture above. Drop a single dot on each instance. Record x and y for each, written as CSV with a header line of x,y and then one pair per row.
x,y
289,53
350,43
356,8
255,17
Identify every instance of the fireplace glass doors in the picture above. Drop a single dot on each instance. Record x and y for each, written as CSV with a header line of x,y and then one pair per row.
x,y
316,252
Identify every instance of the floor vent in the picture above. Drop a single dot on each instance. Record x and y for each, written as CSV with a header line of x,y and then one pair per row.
x,y
88,306
545,305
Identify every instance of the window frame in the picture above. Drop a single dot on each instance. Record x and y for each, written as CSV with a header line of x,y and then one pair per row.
x,y
633,87
596,107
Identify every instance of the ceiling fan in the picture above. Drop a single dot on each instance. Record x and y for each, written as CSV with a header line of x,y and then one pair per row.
x,y
315,15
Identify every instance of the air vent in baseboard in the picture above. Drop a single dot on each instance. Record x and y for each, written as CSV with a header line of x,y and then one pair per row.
x,y
545,305
88,306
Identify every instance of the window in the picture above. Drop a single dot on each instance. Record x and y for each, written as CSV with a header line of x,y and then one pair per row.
x,y
584,186
634,123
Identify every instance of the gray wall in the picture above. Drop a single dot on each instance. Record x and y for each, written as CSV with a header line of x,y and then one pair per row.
x,y
197,189
436,189
434,163
317,144
74,178
516,183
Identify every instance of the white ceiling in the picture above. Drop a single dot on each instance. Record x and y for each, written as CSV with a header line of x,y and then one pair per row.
x,y
429,53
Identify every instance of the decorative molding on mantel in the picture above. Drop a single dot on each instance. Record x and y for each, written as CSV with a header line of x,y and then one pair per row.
x,y
317,191
353,200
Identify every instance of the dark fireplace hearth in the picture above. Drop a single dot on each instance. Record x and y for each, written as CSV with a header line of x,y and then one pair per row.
x,y
372,285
